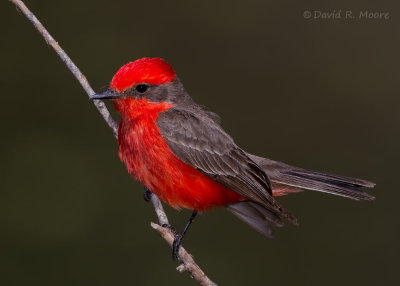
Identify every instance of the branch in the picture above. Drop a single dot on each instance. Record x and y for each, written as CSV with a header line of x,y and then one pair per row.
x,y
187,262
68,62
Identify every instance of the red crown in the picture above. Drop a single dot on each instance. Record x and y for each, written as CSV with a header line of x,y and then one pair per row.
x,y
145,70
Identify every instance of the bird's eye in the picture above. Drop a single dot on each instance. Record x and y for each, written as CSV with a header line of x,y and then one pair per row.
x,y
141,88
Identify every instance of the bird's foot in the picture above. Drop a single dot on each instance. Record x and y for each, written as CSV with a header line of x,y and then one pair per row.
x,y
178,237
176,245
147,194
170,227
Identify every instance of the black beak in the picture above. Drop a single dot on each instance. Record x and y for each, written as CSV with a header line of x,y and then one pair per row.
x,y
108,94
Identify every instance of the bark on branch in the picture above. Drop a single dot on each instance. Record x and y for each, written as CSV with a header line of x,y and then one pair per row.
x,y
186,260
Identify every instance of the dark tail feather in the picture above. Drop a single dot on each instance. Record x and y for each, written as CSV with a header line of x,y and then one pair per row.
x,y
317,181
297,178
258,217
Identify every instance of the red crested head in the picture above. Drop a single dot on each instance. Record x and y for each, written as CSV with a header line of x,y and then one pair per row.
x,y
146,70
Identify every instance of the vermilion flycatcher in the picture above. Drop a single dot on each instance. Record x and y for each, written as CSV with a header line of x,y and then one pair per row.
x,y
178,151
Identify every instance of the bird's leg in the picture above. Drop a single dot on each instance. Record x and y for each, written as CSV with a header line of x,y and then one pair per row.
x,y
179,236
147,194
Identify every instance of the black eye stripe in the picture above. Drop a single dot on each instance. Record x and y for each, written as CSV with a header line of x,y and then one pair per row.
x,y
141,88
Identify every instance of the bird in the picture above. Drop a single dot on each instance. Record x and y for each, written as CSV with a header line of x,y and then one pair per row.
x,y
178,150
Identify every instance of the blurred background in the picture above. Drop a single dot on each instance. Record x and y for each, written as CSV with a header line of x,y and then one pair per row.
x,y
317,93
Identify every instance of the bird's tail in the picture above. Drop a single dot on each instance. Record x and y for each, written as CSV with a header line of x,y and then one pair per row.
x,y
287,179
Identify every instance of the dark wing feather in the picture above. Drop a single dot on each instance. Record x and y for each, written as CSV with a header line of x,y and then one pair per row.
x,y
261,219
256,216
200,142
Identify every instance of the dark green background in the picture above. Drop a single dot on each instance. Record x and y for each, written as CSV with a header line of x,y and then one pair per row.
x,y
321,94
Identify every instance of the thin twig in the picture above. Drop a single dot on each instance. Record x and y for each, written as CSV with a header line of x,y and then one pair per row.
x,y
68,62
188,264
158,207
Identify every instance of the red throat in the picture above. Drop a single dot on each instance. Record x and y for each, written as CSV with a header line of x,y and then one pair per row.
x,y
138,109
145,70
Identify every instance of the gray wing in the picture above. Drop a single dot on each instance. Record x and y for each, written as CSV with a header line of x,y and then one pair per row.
x,y
200,142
